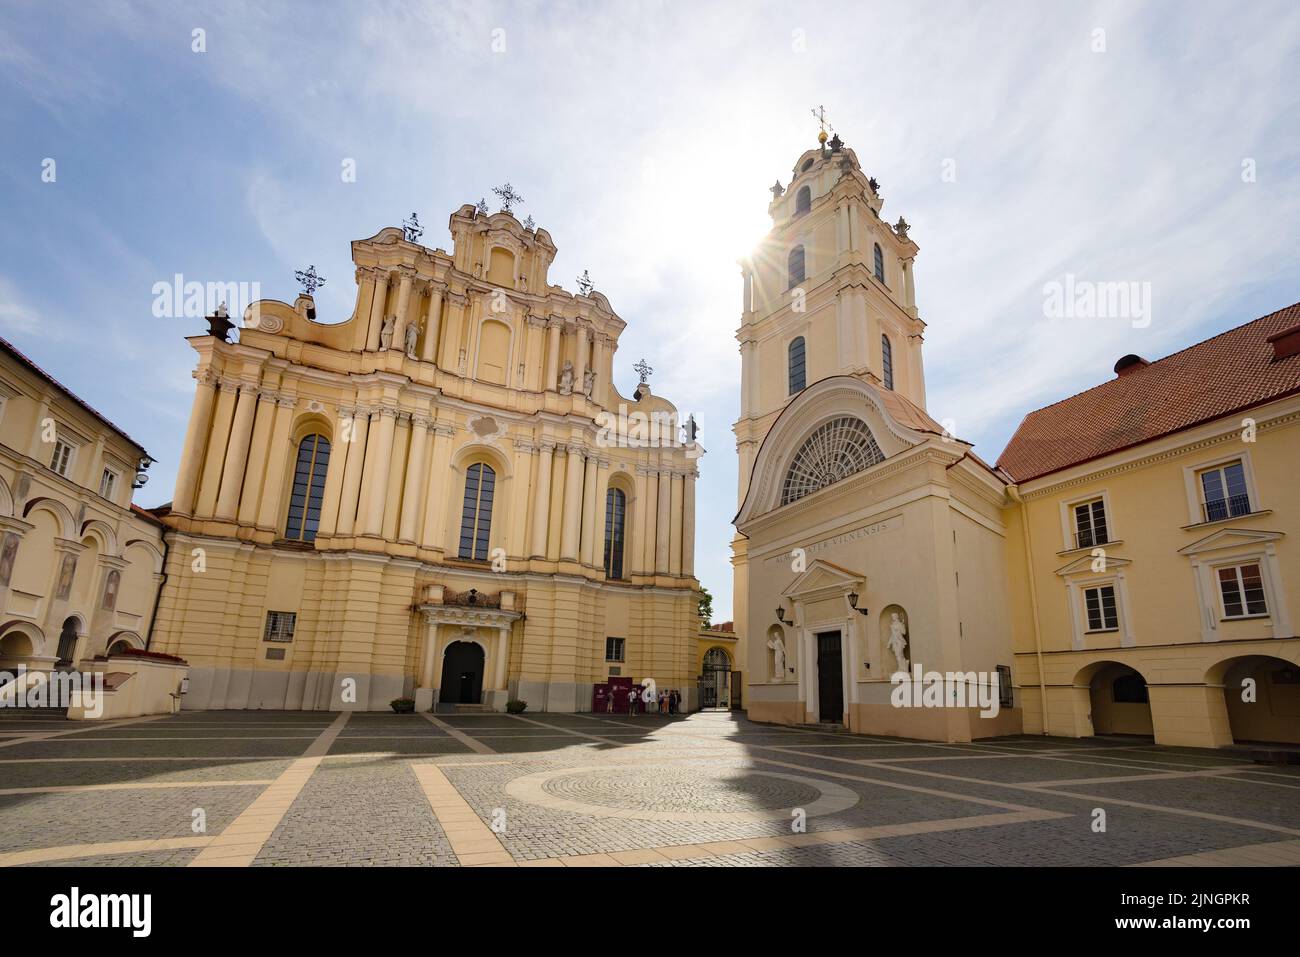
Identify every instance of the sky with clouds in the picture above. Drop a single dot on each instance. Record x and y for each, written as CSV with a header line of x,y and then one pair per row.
x,y
1164,149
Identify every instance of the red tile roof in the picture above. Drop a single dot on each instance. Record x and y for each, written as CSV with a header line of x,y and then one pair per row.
x,y
1228,374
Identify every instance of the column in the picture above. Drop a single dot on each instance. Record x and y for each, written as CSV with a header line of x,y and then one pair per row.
x,y
542,501
339,451
572,512
352,472
196,433
503,656
377,482
663,521
433,325
588,512
407,275
688,525
651,513
580,362
435,509
600,359
430,646
450,346
598,526
281,454
415,472
259,450
218,441
675,528
516,540
377,305
636,537
552,355
232,472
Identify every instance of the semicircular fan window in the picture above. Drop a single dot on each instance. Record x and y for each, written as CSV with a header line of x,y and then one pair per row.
x,y
834,451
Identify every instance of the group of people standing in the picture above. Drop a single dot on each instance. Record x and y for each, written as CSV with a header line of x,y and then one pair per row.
x,y
646,700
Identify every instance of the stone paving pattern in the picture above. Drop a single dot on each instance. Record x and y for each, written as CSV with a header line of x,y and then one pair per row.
x,y
710,789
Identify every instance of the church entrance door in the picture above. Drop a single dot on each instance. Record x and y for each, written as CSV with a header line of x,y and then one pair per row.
x,y
462,674
830,677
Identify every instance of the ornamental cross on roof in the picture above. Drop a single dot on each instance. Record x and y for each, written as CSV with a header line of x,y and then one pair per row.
x,y
411,229
309,280
585,285
819,112
508,196
643,370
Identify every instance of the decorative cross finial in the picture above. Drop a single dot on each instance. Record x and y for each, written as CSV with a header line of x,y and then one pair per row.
x,y
643,370
482,207
309,280
412,229
819,112
585,285
529,224
508,196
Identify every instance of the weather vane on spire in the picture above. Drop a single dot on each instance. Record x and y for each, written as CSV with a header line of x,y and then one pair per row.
x,y
819,112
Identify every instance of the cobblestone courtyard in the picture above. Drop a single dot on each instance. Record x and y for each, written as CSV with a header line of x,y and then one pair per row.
x,y
276,788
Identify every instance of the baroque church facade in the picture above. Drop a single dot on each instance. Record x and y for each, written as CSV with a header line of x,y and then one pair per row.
x,y
443,497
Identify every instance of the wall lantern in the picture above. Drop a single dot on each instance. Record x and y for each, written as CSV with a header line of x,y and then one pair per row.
x,y
853,603
780,614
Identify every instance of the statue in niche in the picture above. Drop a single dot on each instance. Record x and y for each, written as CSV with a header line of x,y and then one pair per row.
x,y
588,382
386,333
566,378
412,334
778,658
897,640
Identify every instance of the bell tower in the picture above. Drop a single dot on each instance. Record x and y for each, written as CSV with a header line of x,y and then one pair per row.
x,y
828,292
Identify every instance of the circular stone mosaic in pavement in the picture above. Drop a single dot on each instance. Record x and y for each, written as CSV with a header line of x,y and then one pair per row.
x,y
680,793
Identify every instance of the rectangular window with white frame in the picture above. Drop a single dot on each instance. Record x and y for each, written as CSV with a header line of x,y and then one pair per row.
x,y
61,458
1090,524
108,484
1101,608
614,649
1241,591
1224,492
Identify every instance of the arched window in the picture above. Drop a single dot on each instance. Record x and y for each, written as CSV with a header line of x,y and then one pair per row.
x,y
476,516
798,375
615,516
796,266
880,263
803,200
887,361
834,451
308,489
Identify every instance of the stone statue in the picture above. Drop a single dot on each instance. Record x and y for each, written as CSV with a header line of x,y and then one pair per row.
x,y
222,312
588,382
386,333
778,658
412,333
897,640
566,378
901,227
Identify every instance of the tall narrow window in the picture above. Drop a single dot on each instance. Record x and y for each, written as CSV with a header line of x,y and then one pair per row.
x,y
308,489
1100,605
802,201
1224,489
1090,524
61,460
887,361
798,373
476,516
880,263
615,515
796,266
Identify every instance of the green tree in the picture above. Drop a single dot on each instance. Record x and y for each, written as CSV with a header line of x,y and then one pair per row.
x,y
706,606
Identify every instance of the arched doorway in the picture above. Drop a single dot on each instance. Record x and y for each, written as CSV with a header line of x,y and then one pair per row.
x,y
67,642
1262,696
462,673
715,688
1119,700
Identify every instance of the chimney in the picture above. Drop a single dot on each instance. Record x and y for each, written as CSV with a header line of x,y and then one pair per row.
x,y
1285,343
1130,363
